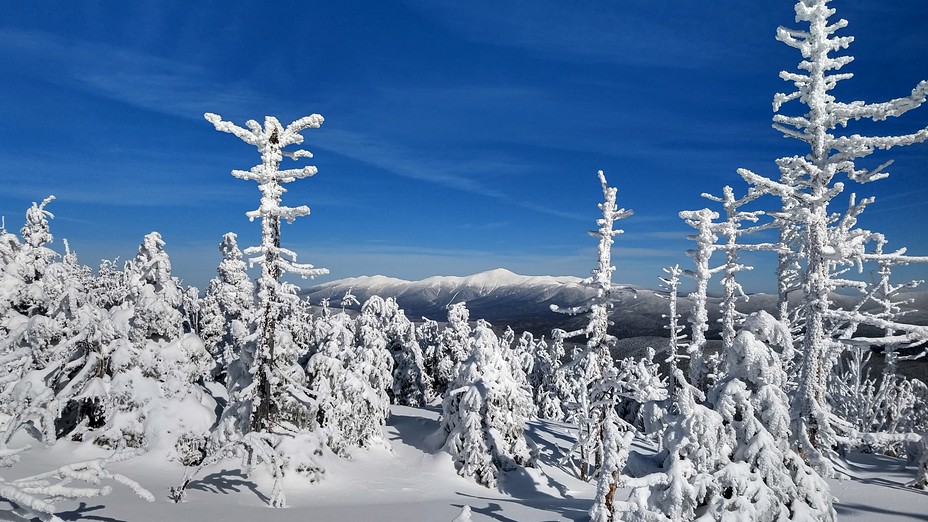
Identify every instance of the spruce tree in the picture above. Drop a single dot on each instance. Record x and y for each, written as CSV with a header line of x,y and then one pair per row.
x,y
807,186
264,397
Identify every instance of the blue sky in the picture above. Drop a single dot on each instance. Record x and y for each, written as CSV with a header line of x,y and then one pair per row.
x,y
458,137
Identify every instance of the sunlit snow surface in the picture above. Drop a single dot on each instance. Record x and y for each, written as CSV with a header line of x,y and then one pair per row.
x,y
415,481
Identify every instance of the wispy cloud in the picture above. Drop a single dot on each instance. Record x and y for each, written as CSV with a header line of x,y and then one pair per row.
x,y
162,182
138,79
570,31
463,175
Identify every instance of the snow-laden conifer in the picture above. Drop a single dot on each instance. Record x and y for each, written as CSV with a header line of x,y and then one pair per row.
x,y
154,294
694,446
21,286
543,379
765,479
428,336
596,359
266,390
348,387
807,185
617,438
408,382
733,230
485,411
373,359
702,365
228,306
678,342
452,348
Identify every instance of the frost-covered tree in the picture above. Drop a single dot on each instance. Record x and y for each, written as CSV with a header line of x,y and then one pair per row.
x,y
543,379
384,320
349,372
373,359
21,287
617,439
884,407
485,411
693,448
452,348
339,392
154,294
428,335
767,479
228,307
808,185
702,365
519,355
732,230
266,390
678,342
32,327
596,359
408,383
730,457
9,244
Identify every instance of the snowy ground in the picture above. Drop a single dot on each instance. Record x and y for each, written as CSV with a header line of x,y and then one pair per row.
x,y
415,482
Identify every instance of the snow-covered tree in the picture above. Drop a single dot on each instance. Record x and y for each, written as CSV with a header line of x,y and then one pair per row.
x,y
807,186
702,365
617,439
228,307
730,456
9,244
732,229
349,380
266,389
543,379
154,294
452,348
678,342
569,381
373,359
428,336
21,286
693,448
596,359
485,411
519,355
767,479
409,381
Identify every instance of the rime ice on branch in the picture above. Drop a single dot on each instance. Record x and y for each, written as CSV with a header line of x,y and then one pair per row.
x,y
270,141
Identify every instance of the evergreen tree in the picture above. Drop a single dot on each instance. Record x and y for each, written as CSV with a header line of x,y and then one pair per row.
x,y
807,186
702,365
262,397
228,306
596,359
485,411
154,294
428,336
452,348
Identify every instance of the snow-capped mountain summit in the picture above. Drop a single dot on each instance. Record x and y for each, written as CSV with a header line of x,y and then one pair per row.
x,y
501,297
524,302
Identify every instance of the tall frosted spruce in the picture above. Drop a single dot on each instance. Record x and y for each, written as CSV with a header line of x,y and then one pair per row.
x,y
596,359
807,185
270,141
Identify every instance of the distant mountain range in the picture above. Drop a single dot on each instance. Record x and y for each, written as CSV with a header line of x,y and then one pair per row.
x,y
524,302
